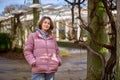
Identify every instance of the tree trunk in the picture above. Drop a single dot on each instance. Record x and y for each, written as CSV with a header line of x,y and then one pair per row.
x,y
35,14
14,33
118,42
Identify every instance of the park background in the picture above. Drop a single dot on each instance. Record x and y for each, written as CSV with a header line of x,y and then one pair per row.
x,y
87,25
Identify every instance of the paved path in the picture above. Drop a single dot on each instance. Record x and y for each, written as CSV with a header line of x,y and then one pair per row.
x,y
73,68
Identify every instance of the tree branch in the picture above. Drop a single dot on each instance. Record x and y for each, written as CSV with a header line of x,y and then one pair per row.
x,y
98,54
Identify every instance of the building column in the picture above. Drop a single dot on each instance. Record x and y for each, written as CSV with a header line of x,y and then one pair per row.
x,y
78,30
57,31
66,30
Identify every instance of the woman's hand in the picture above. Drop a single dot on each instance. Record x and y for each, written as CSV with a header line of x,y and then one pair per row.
x,y
34,64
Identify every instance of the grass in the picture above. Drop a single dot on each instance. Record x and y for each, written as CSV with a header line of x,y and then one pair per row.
x,y
20,56
64,53
12,55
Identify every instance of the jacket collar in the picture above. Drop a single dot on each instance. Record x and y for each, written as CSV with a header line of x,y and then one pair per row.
x,y
41,36
42,33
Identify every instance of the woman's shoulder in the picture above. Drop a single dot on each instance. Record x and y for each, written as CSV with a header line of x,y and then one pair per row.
x,y
32,34
53,37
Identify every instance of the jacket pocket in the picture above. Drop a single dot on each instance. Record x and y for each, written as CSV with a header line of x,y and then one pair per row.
x,y
53,65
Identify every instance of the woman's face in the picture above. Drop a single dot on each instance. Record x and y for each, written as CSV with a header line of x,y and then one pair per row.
x,y
46,25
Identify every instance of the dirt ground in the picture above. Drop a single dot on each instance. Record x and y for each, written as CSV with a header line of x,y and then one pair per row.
x,y
73,68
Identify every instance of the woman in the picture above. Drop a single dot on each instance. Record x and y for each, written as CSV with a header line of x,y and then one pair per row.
x,y
41,51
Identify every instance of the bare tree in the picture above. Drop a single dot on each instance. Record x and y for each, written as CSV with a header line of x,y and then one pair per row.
x,y
107,70
10,8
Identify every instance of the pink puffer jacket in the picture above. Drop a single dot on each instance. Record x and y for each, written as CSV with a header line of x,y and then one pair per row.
x,y
44,53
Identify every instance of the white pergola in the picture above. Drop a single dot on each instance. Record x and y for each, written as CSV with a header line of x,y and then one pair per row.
x,y
60,13
57,14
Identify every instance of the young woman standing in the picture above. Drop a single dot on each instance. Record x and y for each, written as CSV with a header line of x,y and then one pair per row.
x,y
41,51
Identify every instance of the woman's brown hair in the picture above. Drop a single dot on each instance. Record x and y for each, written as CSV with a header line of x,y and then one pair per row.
x,y
41,22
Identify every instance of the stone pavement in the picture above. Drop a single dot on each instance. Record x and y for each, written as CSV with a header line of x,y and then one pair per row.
x,y
73,68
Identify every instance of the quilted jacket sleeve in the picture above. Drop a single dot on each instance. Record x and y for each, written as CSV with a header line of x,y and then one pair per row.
x,y
60,61
28,49
58,54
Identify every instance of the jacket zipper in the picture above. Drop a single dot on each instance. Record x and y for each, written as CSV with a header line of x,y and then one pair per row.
x,y
47,55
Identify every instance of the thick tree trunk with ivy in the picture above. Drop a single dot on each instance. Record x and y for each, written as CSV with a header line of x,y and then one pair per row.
x,y
96,16
118,41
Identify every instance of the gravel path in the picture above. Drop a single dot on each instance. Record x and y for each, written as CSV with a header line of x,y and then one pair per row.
x,y
73,68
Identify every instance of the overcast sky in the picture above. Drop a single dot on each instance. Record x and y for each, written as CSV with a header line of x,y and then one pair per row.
x,y
4,3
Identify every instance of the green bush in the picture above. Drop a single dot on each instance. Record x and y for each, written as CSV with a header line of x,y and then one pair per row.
x,y
68,44
5,42
18,50
63,52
